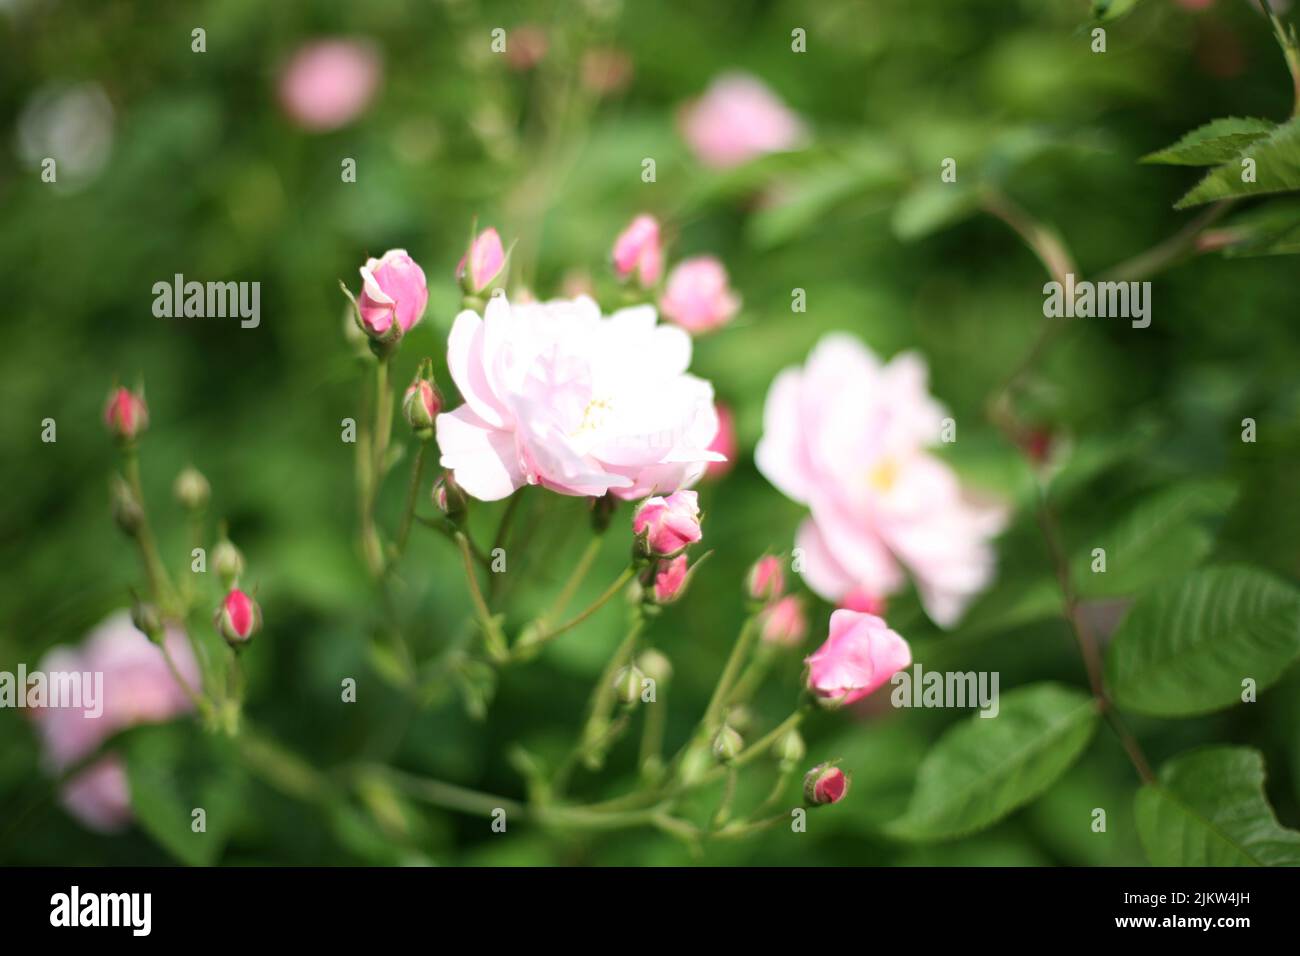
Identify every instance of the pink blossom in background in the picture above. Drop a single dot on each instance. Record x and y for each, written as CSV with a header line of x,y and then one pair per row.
x,y
638,251
606,70
848,436
482,262
860,654
766,579
724,443
392,287
526,46
784,623
138,689
737,119
583,404
328,83
698,296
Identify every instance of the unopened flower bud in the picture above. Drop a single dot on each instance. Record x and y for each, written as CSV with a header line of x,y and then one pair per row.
x,y
448,497
784,623
766,581
228,561
656,666
126,414
421,406
628,685
664,527
638,251
482,264
192,489
727,744
670,579
790,749
393,296
147,620
127,512
238,618
825,783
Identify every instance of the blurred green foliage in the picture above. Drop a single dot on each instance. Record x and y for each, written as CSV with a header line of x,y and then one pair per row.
x,y
208,178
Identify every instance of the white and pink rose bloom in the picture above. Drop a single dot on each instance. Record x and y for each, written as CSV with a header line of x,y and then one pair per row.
x,y
583,404
848,436
738,119
859,655
138,689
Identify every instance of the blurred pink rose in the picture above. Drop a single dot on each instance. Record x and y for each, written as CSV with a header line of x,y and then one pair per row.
x,y
526,45
391,287
784,623
328,83
861,653
698,297
668,524
637,250
557,395
737,119
847,436
766,579
138,689
606,70
724,443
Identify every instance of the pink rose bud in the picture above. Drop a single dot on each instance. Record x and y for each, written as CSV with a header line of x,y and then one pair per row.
x,y
482,264
422,403
448,497
784,622
766,580
670,580
698,297
329,83
393,295
126,414
664,527
825,783
860,654
638,252
724,443
863,601
238,618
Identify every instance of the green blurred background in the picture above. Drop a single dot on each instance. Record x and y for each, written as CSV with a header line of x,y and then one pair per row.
x,y
205,175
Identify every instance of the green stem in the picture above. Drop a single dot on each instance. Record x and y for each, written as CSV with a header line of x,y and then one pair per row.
x,y
739,653
159,584
575,579
492,637
545,635
412,493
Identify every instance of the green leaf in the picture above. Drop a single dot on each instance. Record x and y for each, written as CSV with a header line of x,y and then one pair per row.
x,y
929,208
1209,809
1165,534
173,770
1271,229
1185,647
984,767
1112,9
1277,169
1216,142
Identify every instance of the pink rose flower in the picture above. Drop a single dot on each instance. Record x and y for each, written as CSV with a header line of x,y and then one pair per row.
x,y
482,263
559,396
669,524
847,436
392,287
784,623
138,689
861,653
329,83
698,297
670,580
738,119
724,443
637,250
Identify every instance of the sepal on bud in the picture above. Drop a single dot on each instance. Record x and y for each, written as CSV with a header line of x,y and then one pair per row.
x,y
422,402
192,489
128,513
228,561
627,685
727,744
